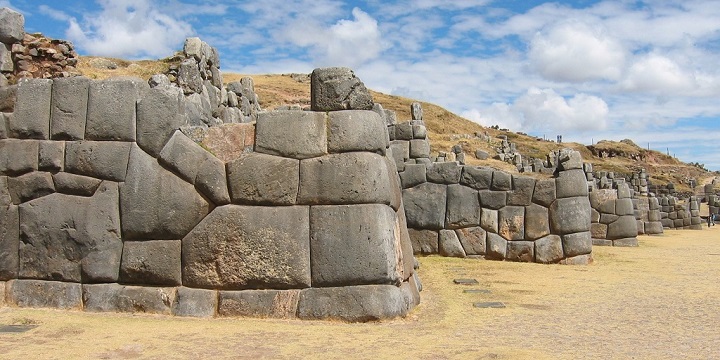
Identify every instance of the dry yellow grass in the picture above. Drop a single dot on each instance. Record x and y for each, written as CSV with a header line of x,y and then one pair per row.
x,y
658,301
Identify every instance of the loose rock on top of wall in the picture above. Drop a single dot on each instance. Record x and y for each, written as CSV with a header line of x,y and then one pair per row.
x,y
107,206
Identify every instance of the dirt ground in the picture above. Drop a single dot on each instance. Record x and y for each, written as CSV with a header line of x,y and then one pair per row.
x,y
658,301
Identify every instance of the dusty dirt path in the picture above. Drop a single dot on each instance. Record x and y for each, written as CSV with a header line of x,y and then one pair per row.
x,y
658,301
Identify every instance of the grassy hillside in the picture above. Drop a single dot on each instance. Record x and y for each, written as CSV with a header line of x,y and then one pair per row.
x,y
445,129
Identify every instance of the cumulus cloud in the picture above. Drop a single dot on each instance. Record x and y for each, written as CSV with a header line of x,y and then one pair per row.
x,y
657,74
576,52
129,28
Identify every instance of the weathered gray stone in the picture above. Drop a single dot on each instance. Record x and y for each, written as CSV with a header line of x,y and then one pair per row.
x,y
357,130
31,119
354,245
598,231
195,302
211,181
352,303
18,156
241,247
523,251
549,249
654,228
571,183
406,246
413,175
544,193
294,134
623,191
626,242
522,192
72,184
71,238
419,132
577,244
51,155
403,131
570,160
111,109
155,204
570,215
69,108
481,155
338,88
263,180
6,63
8,98
197,110
189,78
511,222
601,242
623,227
449,244
489,220
624,206
107,160
131,299
155,262
444,173
183,156
496,247
537,224
472,239
501,181
577,260
259,303
424,241
419,148
463,207
159,113
425,206
347,178
30,186
416,111
400,152
9,240
608,218
493,199
12,26
44,294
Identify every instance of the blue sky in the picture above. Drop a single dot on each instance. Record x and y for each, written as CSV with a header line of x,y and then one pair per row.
x,y
587,70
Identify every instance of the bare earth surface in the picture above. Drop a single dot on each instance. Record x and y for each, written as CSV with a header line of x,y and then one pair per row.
x,y
658,301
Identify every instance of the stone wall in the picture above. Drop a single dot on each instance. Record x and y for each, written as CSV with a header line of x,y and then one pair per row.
x,y
675,214
107,206
647,214
613,217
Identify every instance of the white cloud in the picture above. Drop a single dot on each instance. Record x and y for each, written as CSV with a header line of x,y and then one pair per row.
x,y
657,74
576,52
129,28
53,13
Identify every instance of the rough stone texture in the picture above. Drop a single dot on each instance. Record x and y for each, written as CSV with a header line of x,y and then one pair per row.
x,y
537,224
403,131
18,156
523,251
230,141
549,249
111,109
421,206
30,186
159,113
449,244
44,294
444,173
501,181
354,245
352,303
31,119
280,304
623,227
211,180
263,180
571,183
337,88
496,247
348,178
69,108
155,262
624,207
424,241
240,247
598,231
12,26
71,238
131,299
195,302
413,175
522,192
654,227
489,220
8,97
72,184
51,155
463,207
472,240
577,244
476,177
107,160
544,193
155,204
183,156
570,215
570,160
419,148
9,240
357,131
294,134
493,199
511,222
627,242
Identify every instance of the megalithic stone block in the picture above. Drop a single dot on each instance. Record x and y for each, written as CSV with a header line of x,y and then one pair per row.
x,y
337,88
111,114
69,108
31,119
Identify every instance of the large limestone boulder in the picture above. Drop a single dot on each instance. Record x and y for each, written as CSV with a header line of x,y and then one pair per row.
x,y
337,88
12,26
